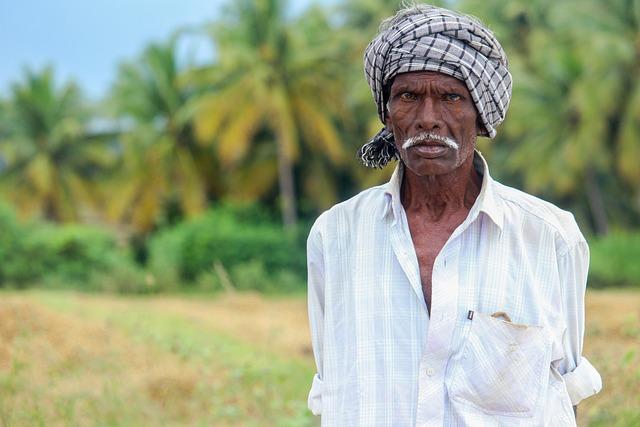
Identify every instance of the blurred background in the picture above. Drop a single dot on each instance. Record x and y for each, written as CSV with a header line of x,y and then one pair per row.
x,y
161,164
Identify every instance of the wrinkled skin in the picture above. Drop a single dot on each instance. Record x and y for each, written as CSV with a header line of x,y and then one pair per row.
x,y
432,102
440,184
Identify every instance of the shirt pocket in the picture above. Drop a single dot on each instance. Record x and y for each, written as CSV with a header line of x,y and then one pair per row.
x,y
503,368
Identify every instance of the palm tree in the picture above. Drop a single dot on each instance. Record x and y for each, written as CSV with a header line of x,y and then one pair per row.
x,y
4,119
50,162
161,163
609,95
275,78
572,129
362,19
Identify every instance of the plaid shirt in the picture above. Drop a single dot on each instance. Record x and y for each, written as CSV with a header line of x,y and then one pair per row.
x,y
383,361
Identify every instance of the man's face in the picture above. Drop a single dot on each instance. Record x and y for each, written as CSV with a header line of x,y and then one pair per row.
x,y
428,102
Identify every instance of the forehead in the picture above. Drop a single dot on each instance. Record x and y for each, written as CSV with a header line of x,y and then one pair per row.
x,y
419,78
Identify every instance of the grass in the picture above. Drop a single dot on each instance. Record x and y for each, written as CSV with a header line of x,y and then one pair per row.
x,y
612,344
70,359
77,360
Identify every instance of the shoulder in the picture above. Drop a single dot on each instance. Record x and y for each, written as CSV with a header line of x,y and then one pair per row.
x,y
536,215
366,205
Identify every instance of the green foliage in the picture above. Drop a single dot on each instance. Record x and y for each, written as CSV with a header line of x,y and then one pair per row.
x,y
571,134
253,275
13,267
255,254
271,121
63,256
283,76
123,277
72,251
50,162
82,257
158,147
614,260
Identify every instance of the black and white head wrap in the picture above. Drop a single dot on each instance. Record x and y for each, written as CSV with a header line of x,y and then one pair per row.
x,y
428,38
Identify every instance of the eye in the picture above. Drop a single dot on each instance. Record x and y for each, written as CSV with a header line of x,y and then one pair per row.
x,y
407,96
452,97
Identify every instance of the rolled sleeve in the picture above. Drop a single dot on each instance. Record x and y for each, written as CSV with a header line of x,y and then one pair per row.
x,y
581,378
315,396
584,381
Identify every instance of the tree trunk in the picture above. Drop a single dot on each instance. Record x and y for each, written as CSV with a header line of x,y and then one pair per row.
x,y
287,190
596,204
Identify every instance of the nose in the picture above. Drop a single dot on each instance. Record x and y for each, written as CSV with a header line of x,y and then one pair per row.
x,y
429,115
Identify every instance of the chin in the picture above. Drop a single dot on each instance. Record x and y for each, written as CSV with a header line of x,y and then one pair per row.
x,y
431,167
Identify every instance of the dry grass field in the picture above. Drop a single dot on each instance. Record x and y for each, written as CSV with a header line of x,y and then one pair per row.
x,y
235,360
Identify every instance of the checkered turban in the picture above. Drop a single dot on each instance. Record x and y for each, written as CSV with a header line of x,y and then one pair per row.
x,y
428,38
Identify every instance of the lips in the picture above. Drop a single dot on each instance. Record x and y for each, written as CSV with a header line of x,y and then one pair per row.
x,y
430,151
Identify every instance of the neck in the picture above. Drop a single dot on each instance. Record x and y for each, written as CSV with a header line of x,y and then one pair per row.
x,y
438,197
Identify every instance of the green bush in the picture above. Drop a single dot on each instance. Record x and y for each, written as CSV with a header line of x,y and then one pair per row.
x,y
63,256
255,252
614,260
123,278
87,258
14,267
73,252
164,258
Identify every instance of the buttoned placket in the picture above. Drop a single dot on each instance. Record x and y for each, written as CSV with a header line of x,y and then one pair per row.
x,y
433,364
444,314
444,308
442,321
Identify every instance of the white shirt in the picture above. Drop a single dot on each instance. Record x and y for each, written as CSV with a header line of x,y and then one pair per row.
x,y
383,361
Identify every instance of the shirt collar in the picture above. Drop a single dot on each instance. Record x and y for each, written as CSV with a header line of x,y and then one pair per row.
x,y
487,200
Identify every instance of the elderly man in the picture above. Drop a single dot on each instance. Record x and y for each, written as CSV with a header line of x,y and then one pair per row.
x,y
444,297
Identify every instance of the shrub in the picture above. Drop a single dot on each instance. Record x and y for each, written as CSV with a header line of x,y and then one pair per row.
x,y
258,254
13,264
164,258
614,260
124,278
61,255
73,252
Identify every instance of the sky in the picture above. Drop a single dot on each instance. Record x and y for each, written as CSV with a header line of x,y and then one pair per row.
x,y
84,40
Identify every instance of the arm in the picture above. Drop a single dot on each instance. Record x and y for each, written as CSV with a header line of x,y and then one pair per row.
x,y
581,378
315,289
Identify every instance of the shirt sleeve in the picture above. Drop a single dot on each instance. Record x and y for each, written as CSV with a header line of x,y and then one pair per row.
x,y
581,378
315,285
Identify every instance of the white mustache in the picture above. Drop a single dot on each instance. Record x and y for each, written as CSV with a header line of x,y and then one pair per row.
x,y
428,136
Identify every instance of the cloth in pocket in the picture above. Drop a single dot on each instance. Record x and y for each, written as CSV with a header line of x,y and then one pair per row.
x,y
503,368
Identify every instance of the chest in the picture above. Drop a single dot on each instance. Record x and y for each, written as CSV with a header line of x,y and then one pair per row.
x,y
428,240
371,299
376,286
388,270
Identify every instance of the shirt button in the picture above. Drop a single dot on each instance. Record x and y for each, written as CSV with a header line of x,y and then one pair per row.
x,y
513,348
430,372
